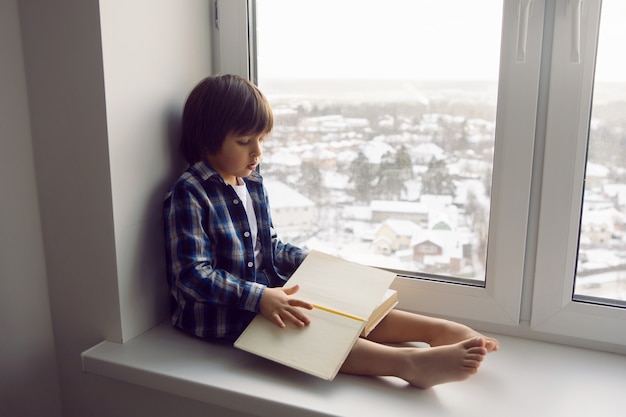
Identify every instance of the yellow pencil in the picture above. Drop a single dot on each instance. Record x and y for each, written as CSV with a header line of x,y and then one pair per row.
x,y
330,310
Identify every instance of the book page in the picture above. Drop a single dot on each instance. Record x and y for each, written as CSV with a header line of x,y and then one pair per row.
x,y
341,285
318,349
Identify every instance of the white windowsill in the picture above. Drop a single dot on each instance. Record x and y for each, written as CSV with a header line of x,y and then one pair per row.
x,y
525,378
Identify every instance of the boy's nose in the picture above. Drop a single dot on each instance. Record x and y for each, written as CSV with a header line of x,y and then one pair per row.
x,y
258,149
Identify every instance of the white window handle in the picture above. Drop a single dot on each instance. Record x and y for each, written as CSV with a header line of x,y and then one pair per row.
x,y
524,9
576,7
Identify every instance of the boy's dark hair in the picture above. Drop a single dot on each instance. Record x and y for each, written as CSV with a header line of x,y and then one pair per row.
x,y
218,106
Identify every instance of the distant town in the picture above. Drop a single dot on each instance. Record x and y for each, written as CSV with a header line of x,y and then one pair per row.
x,y
400,177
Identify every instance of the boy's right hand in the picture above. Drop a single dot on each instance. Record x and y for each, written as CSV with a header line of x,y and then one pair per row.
x,y
279,308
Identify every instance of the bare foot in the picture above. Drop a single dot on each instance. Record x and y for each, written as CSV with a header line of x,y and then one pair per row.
x,y
455,332
491,344
437,365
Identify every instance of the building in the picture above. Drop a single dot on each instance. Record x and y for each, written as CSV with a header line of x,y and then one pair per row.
x,y
292,212
394,235
401,210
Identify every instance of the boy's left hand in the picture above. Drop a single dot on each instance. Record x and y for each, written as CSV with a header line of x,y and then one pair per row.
x,y
278,307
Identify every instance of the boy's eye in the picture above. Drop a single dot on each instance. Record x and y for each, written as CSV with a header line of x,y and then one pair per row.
x,y
248,141
244,141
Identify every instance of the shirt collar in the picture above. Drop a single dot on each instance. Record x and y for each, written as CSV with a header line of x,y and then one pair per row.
x,y
205,171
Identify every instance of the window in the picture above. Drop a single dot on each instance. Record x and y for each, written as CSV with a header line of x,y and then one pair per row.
x,y
381,130
384,156
601,262
579,234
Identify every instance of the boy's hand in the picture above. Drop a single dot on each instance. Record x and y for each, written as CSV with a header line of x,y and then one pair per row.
x,y
280,308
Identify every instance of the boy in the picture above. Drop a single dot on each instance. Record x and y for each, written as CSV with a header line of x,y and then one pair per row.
x,y
226,264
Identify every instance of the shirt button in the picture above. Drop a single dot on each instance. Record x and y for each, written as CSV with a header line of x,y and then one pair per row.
x,y
235,201
250,264
246,234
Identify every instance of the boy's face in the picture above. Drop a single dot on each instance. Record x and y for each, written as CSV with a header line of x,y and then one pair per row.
x,y
238,157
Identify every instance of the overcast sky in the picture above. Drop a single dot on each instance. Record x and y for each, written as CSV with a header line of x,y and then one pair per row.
x,y
380,38
402,39
611,63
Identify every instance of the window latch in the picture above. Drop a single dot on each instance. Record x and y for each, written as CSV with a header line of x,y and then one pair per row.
x,y
524,10
216,20
576,7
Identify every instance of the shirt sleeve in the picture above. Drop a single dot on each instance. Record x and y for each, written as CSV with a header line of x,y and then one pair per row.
x,y
191,258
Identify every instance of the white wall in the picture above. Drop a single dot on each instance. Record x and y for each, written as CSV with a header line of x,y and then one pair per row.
x,y
105,88
154,52
27,362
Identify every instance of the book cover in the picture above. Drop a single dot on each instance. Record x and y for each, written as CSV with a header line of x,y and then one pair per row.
x,y
345,294
389,301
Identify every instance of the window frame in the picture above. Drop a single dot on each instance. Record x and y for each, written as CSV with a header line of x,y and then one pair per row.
x,y
534,291
499,300
570,97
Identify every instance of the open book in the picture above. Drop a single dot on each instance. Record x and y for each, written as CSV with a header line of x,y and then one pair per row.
x,y
349,300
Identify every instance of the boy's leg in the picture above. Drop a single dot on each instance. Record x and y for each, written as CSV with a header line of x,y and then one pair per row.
x,y
402,326
422,368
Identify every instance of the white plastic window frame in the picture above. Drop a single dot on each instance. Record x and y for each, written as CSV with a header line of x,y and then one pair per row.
x,y
571,86
499,301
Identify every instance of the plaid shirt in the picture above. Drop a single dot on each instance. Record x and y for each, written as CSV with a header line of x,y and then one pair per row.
x,y
210,260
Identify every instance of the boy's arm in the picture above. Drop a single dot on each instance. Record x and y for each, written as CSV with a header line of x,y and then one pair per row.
x,y
190,258
287,257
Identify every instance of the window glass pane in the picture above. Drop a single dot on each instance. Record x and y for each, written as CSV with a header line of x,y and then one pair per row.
x,y
601,266
382,149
